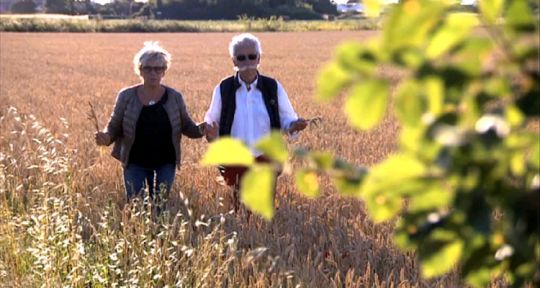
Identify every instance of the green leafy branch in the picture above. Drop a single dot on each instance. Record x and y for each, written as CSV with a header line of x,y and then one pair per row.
x,y
465,177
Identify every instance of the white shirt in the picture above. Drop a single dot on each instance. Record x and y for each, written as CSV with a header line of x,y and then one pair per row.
x,y
251,121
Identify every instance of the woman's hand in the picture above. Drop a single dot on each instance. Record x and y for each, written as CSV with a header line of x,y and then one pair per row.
x,y
211,132
297,126
103,139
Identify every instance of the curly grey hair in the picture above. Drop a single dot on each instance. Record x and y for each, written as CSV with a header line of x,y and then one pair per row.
x,y
243,39
150,52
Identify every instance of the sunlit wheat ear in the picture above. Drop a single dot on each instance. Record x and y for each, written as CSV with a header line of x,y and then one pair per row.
x,y
92,116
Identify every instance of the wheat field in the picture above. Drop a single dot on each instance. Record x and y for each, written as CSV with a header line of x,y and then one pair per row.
x,y
64,221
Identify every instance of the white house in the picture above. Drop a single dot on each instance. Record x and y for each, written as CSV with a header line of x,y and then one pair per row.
x,y
356,6
351,6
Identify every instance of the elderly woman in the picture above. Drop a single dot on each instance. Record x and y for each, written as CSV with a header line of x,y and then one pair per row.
x,y
146,126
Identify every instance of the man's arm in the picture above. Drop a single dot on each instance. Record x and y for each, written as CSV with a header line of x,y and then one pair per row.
x,y
213,116
289,120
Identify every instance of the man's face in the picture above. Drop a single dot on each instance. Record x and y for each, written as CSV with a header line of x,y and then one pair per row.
x,y
246,57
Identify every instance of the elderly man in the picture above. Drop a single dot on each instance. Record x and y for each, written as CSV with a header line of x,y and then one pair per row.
x,y
248,105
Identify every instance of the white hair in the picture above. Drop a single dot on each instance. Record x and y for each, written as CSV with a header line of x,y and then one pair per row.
x,y
151,51
242,39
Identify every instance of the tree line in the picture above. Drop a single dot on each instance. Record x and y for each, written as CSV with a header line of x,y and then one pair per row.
x,y
185,9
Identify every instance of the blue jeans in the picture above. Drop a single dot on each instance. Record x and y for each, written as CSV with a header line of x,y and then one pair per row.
x,y
159,180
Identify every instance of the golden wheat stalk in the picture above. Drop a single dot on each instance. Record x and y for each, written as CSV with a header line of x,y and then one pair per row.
x,y
316,121
92,116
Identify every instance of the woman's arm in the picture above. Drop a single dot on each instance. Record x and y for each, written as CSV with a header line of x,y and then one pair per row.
x,y
113,130
189,128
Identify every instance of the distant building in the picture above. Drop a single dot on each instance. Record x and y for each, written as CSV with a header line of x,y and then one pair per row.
x,y
468,2
351,6
356,6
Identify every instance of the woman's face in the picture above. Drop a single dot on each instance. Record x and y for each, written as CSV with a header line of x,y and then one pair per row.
x,y
153,71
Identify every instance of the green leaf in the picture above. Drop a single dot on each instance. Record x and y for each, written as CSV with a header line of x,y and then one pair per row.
x,y
331,81
384,185
354,58
274,147
443,235
394,170
409,106
434,87
411,138
383,206
475,52
372,8
366,105
323,160
258,190
491,10
456,28
514,116
227,151
442,260
402,235
431,197
307,183
347,187
526,269
409,25
479,278
498,86
517,163
411,58
519,16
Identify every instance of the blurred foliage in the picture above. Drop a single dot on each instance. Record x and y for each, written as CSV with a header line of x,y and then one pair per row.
x,y
233,9
195,9
464,180
23,7
188,9
58,6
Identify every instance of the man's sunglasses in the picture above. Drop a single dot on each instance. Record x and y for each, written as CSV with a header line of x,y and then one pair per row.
x,y
244,57
157,69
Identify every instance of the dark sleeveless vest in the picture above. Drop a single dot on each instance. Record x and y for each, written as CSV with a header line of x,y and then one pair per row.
x,y
228,87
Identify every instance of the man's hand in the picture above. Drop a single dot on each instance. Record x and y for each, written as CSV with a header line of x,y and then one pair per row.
x,y
102,139
211,131
297,126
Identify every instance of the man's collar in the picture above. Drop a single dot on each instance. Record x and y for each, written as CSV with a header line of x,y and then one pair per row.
x,y
243,83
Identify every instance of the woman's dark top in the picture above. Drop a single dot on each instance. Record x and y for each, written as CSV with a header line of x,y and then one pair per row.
x,y
153,145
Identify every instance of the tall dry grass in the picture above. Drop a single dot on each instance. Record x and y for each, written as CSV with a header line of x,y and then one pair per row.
x,y
63,217
64,23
